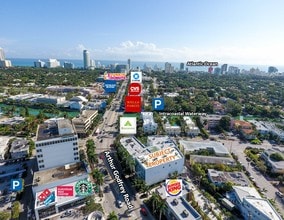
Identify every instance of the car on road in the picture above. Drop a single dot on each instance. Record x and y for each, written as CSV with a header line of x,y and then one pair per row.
x,y
279,194
143,211
119,203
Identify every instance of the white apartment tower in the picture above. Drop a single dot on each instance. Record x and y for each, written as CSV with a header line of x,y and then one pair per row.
x,y
86,58
56,144
2,54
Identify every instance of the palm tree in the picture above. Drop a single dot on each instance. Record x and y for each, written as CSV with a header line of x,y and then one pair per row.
x,y
161,207
130,163
155,198
98,176
145,188
175,175
112,216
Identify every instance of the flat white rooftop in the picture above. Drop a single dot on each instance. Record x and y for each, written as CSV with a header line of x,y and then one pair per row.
x,y
160,157
159,150
263,206
217,147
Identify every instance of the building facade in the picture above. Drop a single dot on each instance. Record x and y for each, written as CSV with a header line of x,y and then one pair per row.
x,y
56,144
149,125
83,123
52,63
86,59
19,149
156,161
62,182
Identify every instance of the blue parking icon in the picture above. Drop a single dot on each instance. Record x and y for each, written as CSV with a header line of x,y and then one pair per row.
x,y
158,104
16,185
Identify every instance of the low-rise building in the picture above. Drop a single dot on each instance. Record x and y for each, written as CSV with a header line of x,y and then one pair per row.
x,y
251,205
215,147
245,128
171,129
154,163
19,148
47,99
149,125
218,178
62,182
177,207
12,121
210,121
190,129
229,161
276,166
84,121
3,146
259,126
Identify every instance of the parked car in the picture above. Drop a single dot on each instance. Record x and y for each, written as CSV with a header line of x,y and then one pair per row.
x,y
279,194
67,213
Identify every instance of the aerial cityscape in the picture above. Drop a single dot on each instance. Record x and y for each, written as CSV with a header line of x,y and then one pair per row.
x,y
141,111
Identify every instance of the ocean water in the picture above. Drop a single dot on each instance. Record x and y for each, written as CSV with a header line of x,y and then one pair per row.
x,y
29,62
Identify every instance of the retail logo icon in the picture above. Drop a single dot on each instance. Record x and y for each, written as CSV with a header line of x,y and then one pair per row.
x,y
133,104
127,125
83,188
173,187
136,77
134,89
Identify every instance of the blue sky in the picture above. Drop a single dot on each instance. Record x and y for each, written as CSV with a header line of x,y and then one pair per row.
x,y
240,32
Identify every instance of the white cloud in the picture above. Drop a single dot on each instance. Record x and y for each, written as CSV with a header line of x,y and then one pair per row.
x,y
142,51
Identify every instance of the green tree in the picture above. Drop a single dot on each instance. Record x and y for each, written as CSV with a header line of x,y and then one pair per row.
x,y
16,210
99,179
90,205
5,215
161,207
155,198
276,157
112,216
225,123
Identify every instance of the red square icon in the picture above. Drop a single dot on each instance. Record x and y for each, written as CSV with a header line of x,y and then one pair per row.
x,y
133,104
43,195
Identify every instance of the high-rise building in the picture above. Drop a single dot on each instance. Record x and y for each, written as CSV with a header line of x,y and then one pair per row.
x,y
39,64
129,64
3,62
210,69
87,60
169,68
2,54
93,64
181,66
217,70
56,144
68,65
233,70
52,63
224,68
272,69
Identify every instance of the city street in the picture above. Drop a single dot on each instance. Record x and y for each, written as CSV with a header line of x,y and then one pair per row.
x,y
238,149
